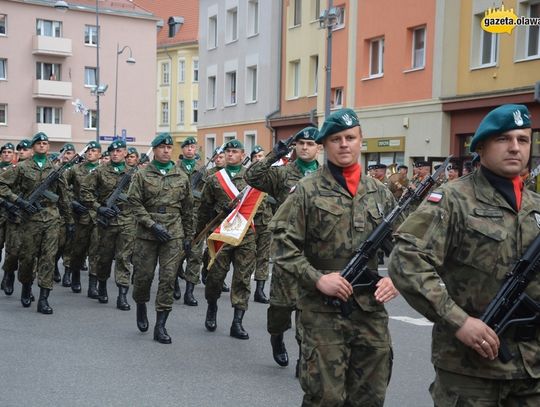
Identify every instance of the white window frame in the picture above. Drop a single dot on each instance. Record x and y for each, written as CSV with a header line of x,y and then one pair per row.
x,y
232,25
164,113
295,79
4,113
195,112
165,73
181,112
338,98
380,57
228,136
195,72
533,31
55,26
252,83
212,32
91,32
250,140
296,17
211,97
316,10
3,25
90,120
340,23
314,74
231,88
494,47
4,63
415,51
253,18
41,70
88,72
209,145
181,70
43,111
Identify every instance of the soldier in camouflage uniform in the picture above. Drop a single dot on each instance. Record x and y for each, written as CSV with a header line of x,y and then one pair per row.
x,y
6,163
132,157
453,254
40,227
84,222
190,166
379,173
11,263
214,198
345,361
160,196
278,181
114,237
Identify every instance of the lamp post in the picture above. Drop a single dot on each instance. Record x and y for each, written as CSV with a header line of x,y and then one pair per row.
x,y
328,19
130,60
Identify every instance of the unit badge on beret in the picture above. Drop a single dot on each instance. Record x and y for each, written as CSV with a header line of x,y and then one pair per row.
x,y
347,119
517,118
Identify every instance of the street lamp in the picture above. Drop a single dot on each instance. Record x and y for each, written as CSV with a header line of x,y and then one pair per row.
x,y
130,60
328,19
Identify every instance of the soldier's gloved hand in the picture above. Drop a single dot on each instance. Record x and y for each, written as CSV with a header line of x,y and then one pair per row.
x,y
187,247
26,206
108,213
160,232
280,149
79,208
70,230
116,209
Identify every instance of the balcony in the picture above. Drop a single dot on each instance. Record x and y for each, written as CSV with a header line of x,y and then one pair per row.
x,y
60,47
52,89
55,132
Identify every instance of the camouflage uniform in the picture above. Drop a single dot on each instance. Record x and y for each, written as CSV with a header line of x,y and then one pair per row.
x,y
165,199
450,259
344,361
263,236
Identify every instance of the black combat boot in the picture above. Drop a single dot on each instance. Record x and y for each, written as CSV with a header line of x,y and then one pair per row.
x,y
7,283
177,291
142,318
259,293
103,297
76,281
160,333
278,350
56,276
43,303
66,280
26,295
225,288
189,299
92,287
211,316
237,330
121,300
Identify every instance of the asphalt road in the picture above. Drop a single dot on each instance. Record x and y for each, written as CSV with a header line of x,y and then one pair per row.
x,y
91,354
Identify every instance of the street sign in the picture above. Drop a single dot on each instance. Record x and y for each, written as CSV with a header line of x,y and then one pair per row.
x,y
112,138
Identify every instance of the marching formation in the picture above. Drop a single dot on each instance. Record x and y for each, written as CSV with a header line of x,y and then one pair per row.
x,y
452,243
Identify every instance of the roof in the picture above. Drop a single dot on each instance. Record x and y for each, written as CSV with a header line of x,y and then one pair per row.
x,y
126,7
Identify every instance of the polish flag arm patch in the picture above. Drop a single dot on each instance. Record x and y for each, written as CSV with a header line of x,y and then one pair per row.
x,y
435,197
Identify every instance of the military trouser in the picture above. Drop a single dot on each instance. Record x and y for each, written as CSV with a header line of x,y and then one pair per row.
x,y
81,244
39,241
243,260
93,253
65,246
194,263
283,295
263,236
146,255
114,244
13,242
345,361
452,389
3,229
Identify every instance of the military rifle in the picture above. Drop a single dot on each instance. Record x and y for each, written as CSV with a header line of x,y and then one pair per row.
x,y
118,193
512,306
356,272
12,210
199,175
532,176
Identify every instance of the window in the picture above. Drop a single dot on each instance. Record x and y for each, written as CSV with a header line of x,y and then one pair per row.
x,y
489,45
338,98
295,79
314,74
232,24
51,115
164,113
90,35
210,145
250,141
316,9
340,23
419,48
3,24
165,76
90,120
3,114
181,112
230,88
251,84
195,70
90,76
376,54
533,34
48,28
195,113
46,71
3,68
297,13
211,97
181,70
228,137
212,32
253,17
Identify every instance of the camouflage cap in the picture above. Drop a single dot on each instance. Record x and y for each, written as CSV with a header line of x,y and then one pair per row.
x,y
162,138
116,144
233,144
307,133
132,150
39,137
500,120
67,147
257,149
340,120
7,146
188,141
24,143
94,144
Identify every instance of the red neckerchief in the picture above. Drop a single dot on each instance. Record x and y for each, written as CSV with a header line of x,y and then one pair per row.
x,y
352,175
517,182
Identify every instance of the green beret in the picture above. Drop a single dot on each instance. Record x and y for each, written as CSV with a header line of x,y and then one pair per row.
x,y
132,150
233,144
67,147
500,120
377,167
117,144
162,138
39,137
24,143
419,164
257,149
7,146
54,156
188,141
94,144
340,120
308,133
105,154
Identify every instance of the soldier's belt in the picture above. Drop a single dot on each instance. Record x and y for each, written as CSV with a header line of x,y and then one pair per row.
x,y
337,263
163,209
